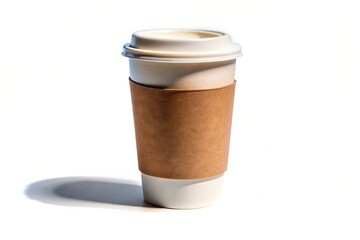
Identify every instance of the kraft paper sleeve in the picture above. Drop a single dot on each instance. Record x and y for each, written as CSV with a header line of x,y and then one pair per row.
x,y
182,134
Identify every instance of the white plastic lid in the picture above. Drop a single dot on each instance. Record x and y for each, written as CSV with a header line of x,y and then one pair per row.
x,y
181,45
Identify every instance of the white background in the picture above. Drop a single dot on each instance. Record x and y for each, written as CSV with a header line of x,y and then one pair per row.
x,y
65,114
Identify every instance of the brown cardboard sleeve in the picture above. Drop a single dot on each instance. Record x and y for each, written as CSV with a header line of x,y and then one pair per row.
x,y
182,134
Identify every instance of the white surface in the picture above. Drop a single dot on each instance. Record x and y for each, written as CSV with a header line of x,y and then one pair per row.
x,y
181,194
65,111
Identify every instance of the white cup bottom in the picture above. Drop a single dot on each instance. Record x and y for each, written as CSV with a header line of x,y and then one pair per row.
x,y
181,194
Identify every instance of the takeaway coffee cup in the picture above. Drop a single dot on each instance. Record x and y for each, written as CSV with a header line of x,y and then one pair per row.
x,y
182,88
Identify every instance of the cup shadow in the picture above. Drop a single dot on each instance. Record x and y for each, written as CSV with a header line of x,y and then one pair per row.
x,y
89,192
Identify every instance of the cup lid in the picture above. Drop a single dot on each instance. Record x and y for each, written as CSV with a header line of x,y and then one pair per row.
x,y
181,45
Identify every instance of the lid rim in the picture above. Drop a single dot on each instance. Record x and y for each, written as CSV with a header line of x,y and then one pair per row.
x,y
140,52
184,60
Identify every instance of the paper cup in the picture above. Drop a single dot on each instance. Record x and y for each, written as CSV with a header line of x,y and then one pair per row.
x,y
182,87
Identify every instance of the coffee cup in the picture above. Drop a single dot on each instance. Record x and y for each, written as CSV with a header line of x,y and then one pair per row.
x,y
182,88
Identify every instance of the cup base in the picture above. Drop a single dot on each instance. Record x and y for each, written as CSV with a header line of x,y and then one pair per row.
x,y
181,193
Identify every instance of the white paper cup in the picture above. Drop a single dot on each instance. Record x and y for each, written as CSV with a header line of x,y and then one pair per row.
x,y
187,60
